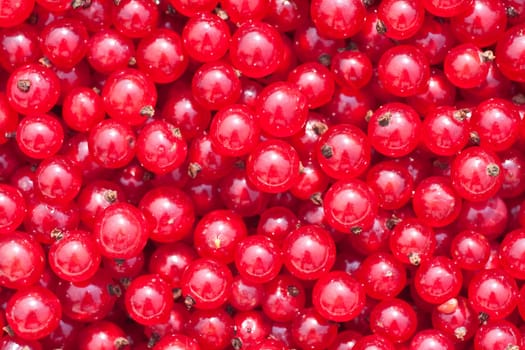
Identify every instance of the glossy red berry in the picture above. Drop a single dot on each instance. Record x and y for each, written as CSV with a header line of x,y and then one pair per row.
x,y
446,130
74,257
121,231
33,89
160,147
343,152
109,51
496,122
112,143
102,335
206,284
438,280
470,250
497,335
273,166
206,37
129,96
64,42
282,109
394,319
509,58
82,109
466,66
391,183
403,70
482,23
476,174
161,56
401,19
15,12
234,131
308,252
58,180
23,261
493,292
338,20
13,208
412,241
170,260
435,202
148,300
24,306
284,297
382,276
216,85
135,18
258,259
511,254
256,49
338,296
311,330
446,8
350,206
394,129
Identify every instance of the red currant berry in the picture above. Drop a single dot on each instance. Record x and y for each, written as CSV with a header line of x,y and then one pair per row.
x,y
256,49
394,319
466,66
258,259
470,250
206,37
382,276
129,96
509,58
121,231
343,152
350,206
112,144
412,242
33,89
148,300
338,20
476,174
216,85
394,129
494,293
58,180
74,257
273,166
403,70
308,252
161,56
22,309
206,284
135,18
109,51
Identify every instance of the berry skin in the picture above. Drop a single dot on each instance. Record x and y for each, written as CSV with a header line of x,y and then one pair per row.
x,y
493,292
160,147
148,300
511,254
509,59
23,260
121,231
258,259
394,319
170,213
435,202
401,19
256,49
273,166
75,257
282,109
403,70
343,152
168,62
33,89
394,129
338,296
476,174
382,276
350,206
24,306
13,208
206,37
308,252
312,331
339,20
129,96
438,280
206,284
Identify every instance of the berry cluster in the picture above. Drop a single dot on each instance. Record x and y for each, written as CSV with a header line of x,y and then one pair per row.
x,y
262,174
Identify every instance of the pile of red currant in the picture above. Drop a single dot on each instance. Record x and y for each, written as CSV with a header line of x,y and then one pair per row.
x,y
262,174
